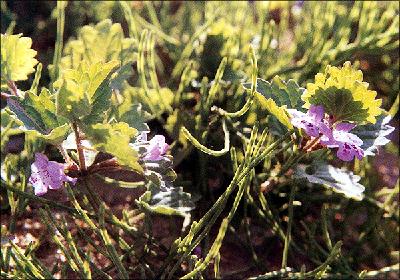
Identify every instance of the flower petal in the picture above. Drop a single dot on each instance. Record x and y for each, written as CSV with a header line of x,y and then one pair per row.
x,y
346,127
47,174
157,148
345,153
316,112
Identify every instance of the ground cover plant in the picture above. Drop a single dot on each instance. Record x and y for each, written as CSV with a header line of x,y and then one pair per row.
x,y
199,140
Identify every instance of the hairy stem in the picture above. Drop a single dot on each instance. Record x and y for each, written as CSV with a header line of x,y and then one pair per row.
x,y
79,147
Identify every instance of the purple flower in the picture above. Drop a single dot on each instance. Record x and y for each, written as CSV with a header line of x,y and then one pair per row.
x,y
47,174
348,144
315,123
310,122
155,161
153,150
156,148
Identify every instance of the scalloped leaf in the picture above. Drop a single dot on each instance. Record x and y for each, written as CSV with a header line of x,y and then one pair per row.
x,y
103,42
283,93
114,139
355,102
17,58
173,201
374,135
37,113
277,95
340,103
337,179
279,112
85,91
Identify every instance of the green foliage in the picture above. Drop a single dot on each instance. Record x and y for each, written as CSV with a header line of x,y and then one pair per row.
x,y
103,42
133,114
283,93
340,103
38,115
114,139
277,96
344,94
339,180
17,58
84,92
172,201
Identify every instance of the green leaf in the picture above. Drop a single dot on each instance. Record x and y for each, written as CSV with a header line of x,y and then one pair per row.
x,y
85,91
114,139
276,96
283,93
17,58
374,135
279,112
337,179
100,103
28,115
101,43
340,103
55,137
133,114
72,100
35,112
173,201
136,117
120,76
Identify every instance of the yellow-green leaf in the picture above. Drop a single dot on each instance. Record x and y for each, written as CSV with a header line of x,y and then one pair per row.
x,y
343,94
101,43
279,112
17,58
114,139
55,137
80,92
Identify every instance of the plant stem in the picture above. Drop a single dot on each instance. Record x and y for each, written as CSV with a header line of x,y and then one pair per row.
x,y
289,228
65,155
79,147
38,199
13,87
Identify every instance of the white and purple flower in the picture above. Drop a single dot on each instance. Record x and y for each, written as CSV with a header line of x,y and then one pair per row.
x,y
153,150
155,161
348,144
156,149
316,124
47,174
310,121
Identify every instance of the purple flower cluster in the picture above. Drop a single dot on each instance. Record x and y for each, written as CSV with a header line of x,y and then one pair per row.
x,y
154,150
332,135
155,161
46,174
